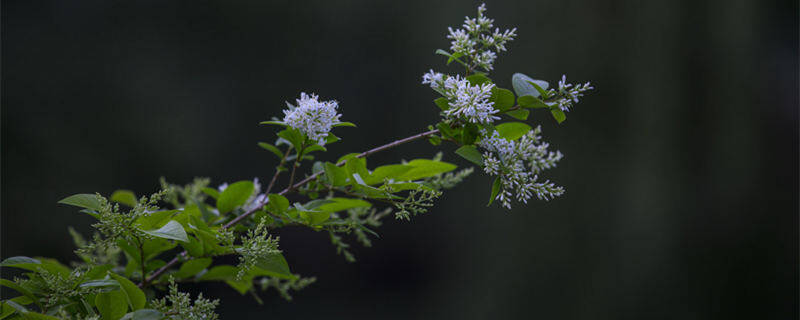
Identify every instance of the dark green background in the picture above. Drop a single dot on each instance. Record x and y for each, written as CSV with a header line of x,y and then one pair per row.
x,y
681,169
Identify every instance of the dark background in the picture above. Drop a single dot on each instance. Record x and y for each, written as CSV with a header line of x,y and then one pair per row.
x,y
681,168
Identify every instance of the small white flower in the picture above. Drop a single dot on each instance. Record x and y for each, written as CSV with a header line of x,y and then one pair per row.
x,y
567,94
476,42
312,117
518,163
468,102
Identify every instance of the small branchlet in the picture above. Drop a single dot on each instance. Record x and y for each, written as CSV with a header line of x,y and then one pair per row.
x,y
179,305
258,244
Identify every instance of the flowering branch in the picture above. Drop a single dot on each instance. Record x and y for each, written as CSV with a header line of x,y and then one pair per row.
x,y
488,123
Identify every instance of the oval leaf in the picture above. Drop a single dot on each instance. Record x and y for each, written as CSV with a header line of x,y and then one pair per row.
x,y
135,296
173,230
523,87
234,196
83,200
512,130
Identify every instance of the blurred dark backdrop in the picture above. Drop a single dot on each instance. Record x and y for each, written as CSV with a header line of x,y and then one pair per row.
x,y
681,168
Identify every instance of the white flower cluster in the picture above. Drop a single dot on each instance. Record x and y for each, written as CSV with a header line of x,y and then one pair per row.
x,y
477,40
568,93
468,102
312,117
518,164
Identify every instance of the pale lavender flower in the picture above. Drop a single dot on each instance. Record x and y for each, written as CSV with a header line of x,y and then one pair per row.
x,y
312,117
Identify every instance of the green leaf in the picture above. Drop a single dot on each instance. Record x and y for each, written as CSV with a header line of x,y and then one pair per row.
x,y
211,192
558,115
275,265
470,153
454,57
22,290
218,273
112,305
125,197
234,196
357,165
277,123
314,217
194,246
344,124
523,85
520,114
495,190
293,136
337,176
341,204
478,79
503,98
540,88
531,102
155,219
144,314
19,261
512,130
6,310
442,103
424,168
192,267
277,204
109,284
83,200
392,171
135,296
173,230
271,148
451,57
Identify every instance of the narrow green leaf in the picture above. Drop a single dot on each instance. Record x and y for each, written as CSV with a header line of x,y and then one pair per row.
x,y
173,230
344,124
112,305
537,84
135,296
234,196
558,115
341,204
83,200
271,148
19,260
495,190
109,284
520,114
470,153
512,130
125,197
277,123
